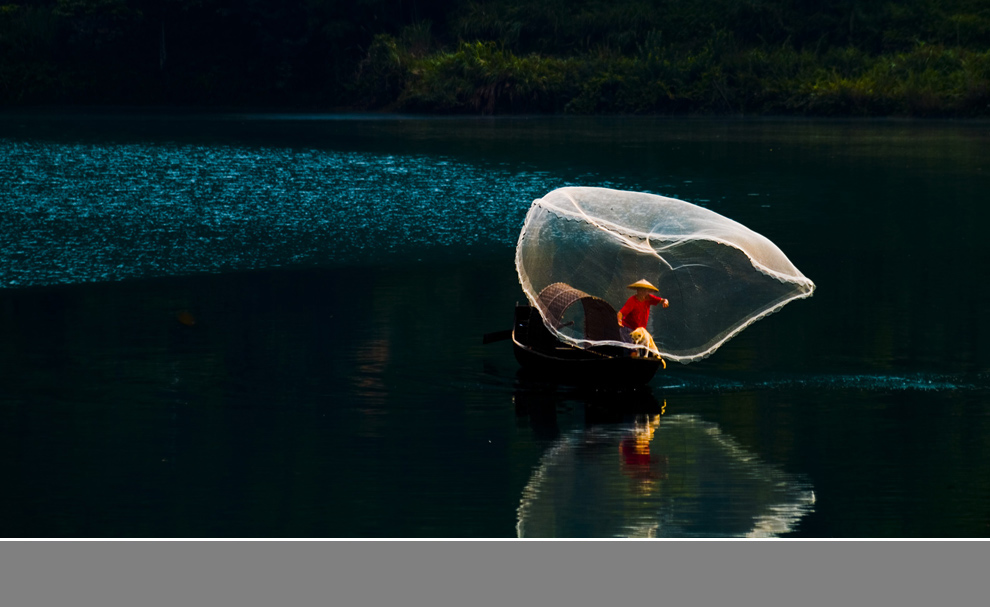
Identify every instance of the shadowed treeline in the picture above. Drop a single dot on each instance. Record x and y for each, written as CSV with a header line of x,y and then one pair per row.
x,y
841,57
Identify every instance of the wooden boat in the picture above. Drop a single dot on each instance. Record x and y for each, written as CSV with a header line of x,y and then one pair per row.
x,y
542,355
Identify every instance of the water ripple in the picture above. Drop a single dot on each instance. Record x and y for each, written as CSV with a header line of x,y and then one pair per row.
x,y
908,382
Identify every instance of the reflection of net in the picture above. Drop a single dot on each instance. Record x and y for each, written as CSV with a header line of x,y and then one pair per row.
x,y
678,476
719,276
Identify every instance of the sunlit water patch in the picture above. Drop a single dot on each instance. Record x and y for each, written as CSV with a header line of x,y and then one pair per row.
x,y
82,212
663,476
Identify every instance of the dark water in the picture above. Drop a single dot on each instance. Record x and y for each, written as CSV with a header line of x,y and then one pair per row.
x,y
252,326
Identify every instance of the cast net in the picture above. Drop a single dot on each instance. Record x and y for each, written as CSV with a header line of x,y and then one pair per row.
x,y
591,243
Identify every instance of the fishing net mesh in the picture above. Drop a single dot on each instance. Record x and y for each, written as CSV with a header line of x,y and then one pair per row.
x,y
718,275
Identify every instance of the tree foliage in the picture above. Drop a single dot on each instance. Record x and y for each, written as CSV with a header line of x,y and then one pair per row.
x,y
918,57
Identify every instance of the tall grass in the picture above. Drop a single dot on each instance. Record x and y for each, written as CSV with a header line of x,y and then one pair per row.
x,y
477,77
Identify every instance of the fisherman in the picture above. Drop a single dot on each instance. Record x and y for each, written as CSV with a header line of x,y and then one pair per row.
x,y
634,315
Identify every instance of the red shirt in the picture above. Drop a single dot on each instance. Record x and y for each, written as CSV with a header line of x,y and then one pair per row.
x,y
635,313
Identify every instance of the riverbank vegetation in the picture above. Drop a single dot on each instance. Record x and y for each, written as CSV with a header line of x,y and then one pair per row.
x,y
799,57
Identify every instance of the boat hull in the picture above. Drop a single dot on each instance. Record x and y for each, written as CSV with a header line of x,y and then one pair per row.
x,y
546,358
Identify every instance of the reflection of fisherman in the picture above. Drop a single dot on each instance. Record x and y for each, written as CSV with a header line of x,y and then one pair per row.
x,y
634,315
637,461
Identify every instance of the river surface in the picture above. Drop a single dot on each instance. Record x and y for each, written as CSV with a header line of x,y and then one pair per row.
x,y
271,326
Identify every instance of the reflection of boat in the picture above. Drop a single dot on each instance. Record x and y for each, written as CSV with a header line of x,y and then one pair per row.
x,y
545,356
541,402
662,476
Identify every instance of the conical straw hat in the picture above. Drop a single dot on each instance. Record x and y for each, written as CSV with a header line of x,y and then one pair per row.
x,y
643,284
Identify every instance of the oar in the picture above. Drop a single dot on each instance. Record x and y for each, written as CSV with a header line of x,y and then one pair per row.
x,y
490,338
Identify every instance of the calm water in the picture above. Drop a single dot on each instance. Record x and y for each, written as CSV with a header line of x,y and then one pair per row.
x,y
258,325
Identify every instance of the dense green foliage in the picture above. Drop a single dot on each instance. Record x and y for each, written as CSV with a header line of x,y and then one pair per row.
x,y
838,57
